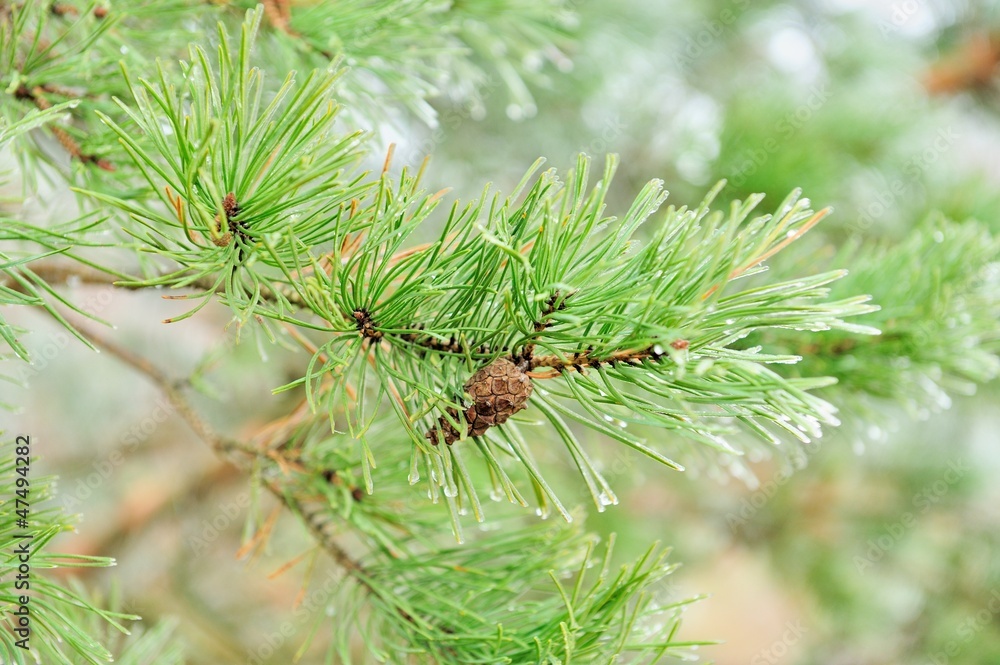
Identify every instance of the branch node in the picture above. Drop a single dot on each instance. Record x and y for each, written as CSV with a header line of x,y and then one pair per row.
x,y
366,326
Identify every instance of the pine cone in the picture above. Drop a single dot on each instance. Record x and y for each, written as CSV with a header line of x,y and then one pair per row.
x,y
498,391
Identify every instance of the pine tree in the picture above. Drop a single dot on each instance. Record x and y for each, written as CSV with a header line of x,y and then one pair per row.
x,y
448,350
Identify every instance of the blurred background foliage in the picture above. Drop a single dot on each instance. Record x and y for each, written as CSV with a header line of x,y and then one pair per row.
x,y
880,547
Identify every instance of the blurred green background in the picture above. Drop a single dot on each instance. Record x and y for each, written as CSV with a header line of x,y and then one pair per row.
x,y
884,548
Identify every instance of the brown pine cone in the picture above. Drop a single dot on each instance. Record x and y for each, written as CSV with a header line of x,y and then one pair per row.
x,y
498,391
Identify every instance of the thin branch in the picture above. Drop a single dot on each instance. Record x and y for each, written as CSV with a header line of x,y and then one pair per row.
x,y
60,272
581,360
36,95
312,517
170,387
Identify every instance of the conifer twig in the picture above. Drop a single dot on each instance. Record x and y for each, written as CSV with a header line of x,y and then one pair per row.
x,y
61,272
583,359
313,518
36,96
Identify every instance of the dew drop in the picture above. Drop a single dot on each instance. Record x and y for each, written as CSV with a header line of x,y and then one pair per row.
x,y
607,498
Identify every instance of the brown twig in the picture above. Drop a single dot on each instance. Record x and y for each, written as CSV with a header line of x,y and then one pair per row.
x,y
170,387
60,272
581,360
313,517
64,9
279,14
555,303
36,95
231,209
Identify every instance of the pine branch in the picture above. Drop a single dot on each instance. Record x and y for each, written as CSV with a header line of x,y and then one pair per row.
x,y
53,272
252,199
50,49
256,173
596,617
18,284
938,290
428,319
603,618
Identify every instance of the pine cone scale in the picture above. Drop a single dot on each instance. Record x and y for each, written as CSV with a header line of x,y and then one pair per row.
x,y
498,390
